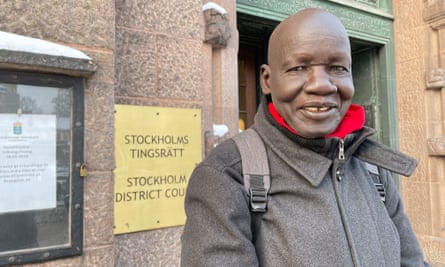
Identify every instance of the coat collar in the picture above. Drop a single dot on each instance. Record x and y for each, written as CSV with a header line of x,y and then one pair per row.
x,y
297,152
301,153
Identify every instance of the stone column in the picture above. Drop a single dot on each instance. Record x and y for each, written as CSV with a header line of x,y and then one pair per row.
x,y
221,50
434,16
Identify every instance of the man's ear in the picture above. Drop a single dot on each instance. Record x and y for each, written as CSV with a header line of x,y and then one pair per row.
x,y
264,79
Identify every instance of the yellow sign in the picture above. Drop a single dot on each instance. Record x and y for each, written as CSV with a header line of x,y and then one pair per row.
x,y
156,152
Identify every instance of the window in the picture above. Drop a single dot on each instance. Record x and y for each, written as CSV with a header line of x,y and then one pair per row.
x,y
41,152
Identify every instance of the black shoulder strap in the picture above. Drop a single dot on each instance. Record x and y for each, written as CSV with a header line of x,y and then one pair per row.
x,y
375,174
255,168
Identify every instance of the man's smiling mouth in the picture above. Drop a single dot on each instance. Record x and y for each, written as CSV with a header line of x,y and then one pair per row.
x,y
317,109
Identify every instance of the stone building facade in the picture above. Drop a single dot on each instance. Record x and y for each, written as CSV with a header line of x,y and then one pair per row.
x,y
162,53
419,46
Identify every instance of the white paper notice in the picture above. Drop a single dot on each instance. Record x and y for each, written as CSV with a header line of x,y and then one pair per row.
x,y
27,162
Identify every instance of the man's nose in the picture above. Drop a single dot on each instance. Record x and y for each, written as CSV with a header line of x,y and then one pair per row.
x,y
319,81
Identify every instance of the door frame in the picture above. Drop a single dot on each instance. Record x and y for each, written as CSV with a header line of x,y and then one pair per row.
x,y
363,23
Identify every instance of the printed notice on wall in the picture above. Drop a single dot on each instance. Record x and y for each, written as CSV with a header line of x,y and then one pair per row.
x,y
156,151
27,162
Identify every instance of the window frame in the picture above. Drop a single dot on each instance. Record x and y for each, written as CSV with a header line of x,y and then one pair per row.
x,y
75,227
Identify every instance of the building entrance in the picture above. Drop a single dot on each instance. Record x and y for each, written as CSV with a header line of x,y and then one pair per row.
x,y
254,35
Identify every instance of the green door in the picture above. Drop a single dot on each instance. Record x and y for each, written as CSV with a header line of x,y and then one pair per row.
x,y
365,73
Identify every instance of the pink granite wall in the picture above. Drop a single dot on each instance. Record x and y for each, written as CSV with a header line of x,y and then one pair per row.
x,y
161,60
419,49
148,53
86,25
158,63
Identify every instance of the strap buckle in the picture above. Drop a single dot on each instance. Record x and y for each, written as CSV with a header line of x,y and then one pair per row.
x,y
257,193
382,191
258,199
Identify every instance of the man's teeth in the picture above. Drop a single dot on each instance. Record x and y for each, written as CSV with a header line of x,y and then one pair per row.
x,y
317,109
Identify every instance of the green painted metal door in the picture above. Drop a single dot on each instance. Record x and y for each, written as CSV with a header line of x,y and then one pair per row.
x,y
366,73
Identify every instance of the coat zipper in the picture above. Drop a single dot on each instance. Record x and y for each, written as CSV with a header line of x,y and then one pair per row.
x,y
341,150
339,176
341,159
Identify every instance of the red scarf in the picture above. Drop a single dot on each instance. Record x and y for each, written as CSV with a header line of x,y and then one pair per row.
x,y
353,120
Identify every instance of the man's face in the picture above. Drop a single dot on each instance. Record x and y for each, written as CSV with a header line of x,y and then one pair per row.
x,y
309,75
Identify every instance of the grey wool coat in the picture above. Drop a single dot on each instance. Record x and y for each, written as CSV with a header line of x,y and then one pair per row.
x,y
322,210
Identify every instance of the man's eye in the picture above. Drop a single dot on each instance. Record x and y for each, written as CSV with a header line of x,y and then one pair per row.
x,y
337,69
298,68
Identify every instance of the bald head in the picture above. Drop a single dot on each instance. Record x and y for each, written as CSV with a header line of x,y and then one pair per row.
x,y
306,24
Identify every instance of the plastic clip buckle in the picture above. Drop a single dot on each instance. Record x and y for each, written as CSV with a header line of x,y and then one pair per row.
x,y
258,199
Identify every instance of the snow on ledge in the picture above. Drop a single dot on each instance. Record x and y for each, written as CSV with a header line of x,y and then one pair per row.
x,y
220,130
19,43
215,6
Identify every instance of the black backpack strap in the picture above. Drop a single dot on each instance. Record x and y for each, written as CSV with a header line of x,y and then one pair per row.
x,y
255,168
375,174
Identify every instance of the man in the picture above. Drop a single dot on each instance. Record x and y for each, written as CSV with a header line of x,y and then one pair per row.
x,y
323,208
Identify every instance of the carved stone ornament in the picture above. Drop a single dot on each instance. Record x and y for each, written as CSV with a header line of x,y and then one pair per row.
x,y
436,146
435,78
433,10
217,29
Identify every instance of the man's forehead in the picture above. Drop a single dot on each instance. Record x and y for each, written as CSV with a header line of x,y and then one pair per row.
x,y
305,26
317,21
